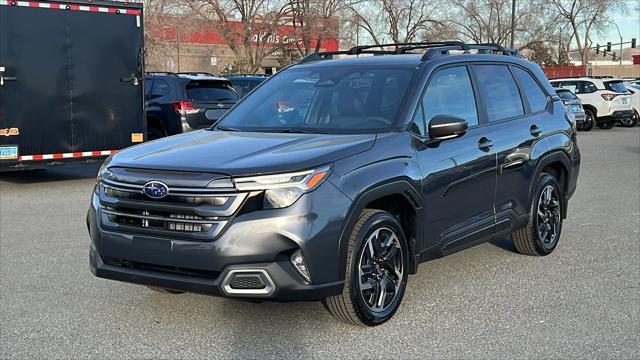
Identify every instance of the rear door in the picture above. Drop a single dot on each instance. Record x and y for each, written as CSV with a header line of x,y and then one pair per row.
x,y
107,92
35,105
517,118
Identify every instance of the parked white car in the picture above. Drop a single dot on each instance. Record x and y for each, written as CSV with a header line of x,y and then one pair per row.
x,y
606,100
634,89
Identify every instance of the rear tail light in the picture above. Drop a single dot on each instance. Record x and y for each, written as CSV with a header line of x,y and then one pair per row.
x,y
609,96
184,107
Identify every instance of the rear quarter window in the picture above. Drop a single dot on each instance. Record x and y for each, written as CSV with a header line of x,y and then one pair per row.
x,y
615,86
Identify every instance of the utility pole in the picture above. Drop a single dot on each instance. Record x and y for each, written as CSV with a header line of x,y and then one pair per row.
x,y
513,23
619,34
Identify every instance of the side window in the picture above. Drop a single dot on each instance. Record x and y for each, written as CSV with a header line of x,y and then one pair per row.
x,y
160,88
588,87
499,90
450,93
535,95
571,86
417,125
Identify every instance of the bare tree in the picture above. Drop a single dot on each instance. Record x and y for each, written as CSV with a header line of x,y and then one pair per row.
x,y
397,21
248,27
490,21
166,25
314,21
584,17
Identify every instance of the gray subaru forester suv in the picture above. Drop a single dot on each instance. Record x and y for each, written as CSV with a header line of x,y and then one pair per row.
x,y
335,178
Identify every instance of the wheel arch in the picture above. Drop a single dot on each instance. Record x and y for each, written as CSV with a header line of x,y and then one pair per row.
x,y
557,164
397,197
592,108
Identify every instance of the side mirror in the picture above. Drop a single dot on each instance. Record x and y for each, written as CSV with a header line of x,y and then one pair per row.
x,y
443,127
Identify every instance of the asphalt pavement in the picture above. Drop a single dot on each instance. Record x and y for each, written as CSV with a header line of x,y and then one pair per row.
x,y
582,301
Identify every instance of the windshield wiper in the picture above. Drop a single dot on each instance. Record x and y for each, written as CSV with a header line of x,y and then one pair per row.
x,y
224,98
225,128
297,131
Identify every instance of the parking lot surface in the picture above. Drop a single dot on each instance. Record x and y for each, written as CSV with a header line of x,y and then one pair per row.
x,y
485,302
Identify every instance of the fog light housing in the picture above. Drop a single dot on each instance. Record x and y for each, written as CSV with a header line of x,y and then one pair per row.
x,y
299,263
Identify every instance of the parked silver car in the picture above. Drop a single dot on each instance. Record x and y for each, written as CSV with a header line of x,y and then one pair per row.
x,y
574,105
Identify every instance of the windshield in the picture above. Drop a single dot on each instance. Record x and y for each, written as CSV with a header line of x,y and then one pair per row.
x,y
615,86
209,91
566,94
353,99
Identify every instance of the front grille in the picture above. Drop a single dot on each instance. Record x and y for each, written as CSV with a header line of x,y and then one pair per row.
x,y
159,220
160,268
188,212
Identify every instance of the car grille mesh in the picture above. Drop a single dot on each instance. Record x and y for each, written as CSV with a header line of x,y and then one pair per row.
x,y
199,213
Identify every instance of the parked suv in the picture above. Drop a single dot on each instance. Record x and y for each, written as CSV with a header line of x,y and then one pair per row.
x,y
339,195
604,99
574,106
181,102
244,83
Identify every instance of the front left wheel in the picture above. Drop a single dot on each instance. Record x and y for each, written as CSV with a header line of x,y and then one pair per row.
x,y
376,273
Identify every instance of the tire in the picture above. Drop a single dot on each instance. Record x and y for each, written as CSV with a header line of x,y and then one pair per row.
x,y
165,291
589,121
630,122
606,125
154,133
530,240
361,306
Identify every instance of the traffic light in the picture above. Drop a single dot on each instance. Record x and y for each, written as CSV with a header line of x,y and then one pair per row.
x,y
597,49
633,43
614,58
609,46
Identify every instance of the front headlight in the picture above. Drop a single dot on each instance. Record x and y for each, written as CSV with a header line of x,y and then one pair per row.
x,y
103,169
282,190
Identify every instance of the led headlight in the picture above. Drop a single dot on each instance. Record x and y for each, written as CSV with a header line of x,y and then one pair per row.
x,y
282,190
103,169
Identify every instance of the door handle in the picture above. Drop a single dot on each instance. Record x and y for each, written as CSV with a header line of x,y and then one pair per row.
x,y
5,78
535,130
484,144
132,79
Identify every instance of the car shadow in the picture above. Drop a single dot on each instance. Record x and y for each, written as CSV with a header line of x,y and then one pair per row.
x,y
504,243
63,173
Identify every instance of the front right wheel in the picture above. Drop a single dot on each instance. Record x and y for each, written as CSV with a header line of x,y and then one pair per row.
x,y
376,273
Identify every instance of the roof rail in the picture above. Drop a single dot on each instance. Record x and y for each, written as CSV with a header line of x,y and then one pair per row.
x,y
161,73
434,49
195,73
264,75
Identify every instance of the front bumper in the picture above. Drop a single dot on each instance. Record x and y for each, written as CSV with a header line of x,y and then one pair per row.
x,y
261,240
287,286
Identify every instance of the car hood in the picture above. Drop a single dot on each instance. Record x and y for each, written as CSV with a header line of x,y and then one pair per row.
x,y
241,153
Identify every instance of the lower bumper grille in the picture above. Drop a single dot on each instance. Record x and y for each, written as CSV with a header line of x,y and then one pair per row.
x,y
160,268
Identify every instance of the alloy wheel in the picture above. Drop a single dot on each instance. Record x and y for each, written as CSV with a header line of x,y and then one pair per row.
x,y
381,269
549,216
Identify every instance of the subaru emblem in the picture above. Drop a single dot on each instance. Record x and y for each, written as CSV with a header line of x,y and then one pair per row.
x,y
220,105
155,189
